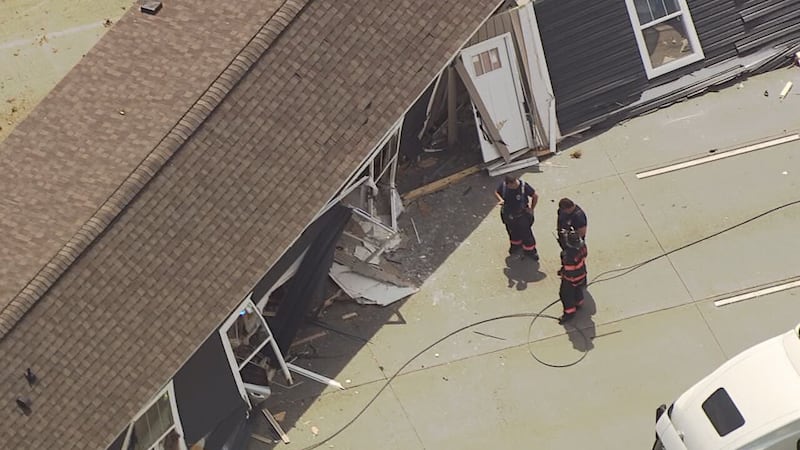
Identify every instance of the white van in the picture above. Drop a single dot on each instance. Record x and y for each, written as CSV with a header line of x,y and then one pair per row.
x,y
750,402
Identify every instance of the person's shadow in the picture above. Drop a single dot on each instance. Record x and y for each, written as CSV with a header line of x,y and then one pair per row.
x,y
521,270
581,329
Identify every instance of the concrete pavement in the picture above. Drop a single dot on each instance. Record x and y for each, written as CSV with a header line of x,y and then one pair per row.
x,y
657,329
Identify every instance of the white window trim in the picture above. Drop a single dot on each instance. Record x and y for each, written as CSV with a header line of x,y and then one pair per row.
x,y
694,41
232,319
226,344
176,419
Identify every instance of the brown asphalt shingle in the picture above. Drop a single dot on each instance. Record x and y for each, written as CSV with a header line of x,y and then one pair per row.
x,y
84,153
169,269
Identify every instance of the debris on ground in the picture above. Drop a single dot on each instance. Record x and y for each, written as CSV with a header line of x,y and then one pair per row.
x,y
786,89
576,154
367,290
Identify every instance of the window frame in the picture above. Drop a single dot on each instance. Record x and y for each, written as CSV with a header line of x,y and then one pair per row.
x,y
176,419
694,41
248,303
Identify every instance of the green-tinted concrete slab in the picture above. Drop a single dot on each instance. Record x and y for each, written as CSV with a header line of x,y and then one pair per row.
x,y
722,120
479,282
608,400
685,206
649,288
384,424
738,326
576,165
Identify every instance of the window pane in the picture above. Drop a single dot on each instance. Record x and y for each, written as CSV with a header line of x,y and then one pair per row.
x,y
485,62
476,63
152,425
651,10
494,57
667,41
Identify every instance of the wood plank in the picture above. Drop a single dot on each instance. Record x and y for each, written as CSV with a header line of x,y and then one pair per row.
x,y
488,122
440,184
308,339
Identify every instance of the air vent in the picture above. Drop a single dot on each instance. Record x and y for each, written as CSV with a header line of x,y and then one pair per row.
x,y
150,7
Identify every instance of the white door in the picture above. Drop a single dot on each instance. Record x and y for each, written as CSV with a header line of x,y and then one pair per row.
x,y
492,67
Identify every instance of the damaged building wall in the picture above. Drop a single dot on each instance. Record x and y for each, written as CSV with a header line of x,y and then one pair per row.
x,y
592,57
594,61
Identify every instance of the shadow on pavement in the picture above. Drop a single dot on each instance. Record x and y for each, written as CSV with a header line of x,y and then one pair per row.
x,y
521,270
581,330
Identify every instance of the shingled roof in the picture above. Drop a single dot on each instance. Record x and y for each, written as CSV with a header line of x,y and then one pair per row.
x,y
148,193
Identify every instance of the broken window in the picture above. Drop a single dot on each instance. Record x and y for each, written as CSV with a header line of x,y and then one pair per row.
x,y
248,334
665,35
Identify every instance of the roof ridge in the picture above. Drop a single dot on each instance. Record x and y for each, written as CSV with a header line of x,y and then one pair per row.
x,y
191,120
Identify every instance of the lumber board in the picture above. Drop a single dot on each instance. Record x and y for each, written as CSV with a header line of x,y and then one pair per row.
x,y
440,184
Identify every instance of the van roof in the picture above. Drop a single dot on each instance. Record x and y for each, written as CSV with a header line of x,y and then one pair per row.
x,y
763,384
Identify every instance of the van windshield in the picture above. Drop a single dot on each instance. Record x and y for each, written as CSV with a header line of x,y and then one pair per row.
x,y
722,412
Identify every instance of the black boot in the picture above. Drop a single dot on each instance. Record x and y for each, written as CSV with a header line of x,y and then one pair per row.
x,y
515,248
532,254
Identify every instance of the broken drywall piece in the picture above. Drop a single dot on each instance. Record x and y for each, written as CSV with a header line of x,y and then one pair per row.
x,y
368,291
513,166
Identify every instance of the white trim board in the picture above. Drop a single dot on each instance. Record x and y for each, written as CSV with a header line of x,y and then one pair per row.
x,y
758,293
718,156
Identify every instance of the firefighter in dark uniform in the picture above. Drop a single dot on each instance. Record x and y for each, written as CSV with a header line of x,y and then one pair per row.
x,y
570,218
518,199
573,275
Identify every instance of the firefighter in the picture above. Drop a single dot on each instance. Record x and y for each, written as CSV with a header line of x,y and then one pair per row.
x,y
570,218
517,200
573,275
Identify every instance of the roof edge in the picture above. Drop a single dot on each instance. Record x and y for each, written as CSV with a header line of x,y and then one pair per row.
x,y
146,170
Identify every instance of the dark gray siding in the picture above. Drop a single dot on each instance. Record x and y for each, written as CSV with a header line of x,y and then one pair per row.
x,y
768,22
595,65
592,57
